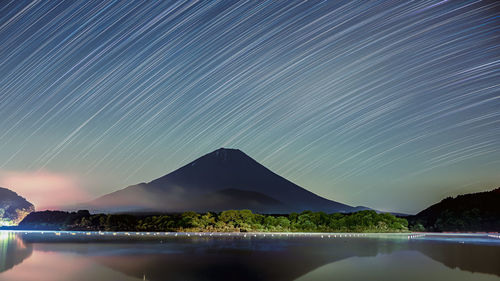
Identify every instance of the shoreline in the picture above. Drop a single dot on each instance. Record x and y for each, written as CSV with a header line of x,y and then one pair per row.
x,y
39,236
264,234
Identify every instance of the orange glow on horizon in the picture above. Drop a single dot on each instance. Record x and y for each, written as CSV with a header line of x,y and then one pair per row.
x,y
45,189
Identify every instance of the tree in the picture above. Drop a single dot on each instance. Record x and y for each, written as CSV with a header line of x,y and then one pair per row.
x,y
190,219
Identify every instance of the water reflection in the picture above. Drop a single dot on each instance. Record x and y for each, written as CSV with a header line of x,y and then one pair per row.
x,y
400,265
468,257
237,258
12,250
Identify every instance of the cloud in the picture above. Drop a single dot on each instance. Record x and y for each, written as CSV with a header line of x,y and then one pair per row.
x,y
45,189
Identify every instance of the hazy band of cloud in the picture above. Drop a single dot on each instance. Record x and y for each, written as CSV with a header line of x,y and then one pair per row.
x,y
45,189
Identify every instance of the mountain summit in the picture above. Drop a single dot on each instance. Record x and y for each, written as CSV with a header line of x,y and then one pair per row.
x,y
223,179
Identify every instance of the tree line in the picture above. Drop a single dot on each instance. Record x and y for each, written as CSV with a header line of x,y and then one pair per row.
x,y
226,221
469,212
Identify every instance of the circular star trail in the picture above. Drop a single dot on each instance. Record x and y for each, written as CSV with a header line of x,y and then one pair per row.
x,y
366,102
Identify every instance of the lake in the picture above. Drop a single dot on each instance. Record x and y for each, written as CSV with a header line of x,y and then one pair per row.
x,y
213,256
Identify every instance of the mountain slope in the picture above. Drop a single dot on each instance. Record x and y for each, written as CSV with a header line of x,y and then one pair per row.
x,y
13,208
225,176
469,212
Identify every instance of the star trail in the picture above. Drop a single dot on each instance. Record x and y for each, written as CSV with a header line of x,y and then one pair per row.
x,y
364,102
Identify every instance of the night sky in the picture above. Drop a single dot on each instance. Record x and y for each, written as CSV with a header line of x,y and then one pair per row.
x,y
388,104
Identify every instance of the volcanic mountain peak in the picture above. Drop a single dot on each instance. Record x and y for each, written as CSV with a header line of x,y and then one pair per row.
x,y
223,155
209,178
225,152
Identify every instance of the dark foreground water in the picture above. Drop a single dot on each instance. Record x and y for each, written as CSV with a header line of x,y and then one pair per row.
x,y
164,256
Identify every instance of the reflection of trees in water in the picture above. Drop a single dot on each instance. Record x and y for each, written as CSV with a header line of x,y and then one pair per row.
x,y
246,259
242,259
13,250
468,257
225,263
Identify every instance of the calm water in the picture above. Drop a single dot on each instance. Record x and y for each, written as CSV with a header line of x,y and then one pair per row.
x,y
159,256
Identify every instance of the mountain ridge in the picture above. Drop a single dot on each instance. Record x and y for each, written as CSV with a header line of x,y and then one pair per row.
x,y
478,211
188,187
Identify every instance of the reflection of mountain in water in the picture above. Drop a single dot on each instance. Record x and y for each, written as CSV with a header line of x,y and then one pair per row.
x,y
242,260
277,260
283,260
222,259
13,250
237,258
468,257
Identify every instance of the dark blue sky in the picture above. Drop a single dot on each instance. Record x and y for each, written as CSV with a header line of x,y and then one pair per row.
x,y
388,104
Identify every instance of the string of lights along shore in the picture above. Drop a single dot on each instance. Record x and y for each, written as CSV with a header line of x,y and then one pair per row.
x,y
365,102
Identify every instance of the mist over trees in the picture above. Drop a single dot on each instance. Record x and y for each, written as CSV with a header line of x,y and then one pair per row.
x,y
470,212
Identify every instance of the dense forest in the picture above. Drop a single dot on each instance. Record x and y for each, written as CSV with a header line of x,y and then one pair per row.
x,y
469,212
227,221
13,208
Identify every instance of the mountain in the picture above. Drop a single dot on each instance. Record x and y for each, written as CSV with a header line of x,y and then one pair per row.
x,y
469,212
13,208
223,179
